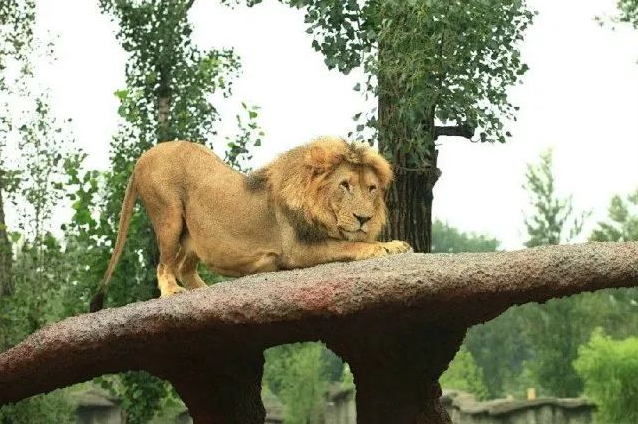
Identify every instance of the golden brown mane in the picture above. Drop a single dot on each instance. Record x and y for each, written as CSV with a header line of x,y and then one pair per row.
x,y
296,180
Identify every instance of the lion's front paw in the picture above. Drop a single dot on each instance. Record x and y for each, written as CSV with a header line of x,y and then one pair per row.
x,y
396,246
170,291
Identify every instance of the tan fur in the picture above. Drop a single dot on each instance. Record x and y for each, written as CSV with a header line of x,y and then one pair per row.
x,y
318,203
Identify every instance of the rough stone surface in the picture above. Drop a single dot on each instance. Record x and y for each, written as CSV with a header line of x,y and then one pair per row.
x,y
397,320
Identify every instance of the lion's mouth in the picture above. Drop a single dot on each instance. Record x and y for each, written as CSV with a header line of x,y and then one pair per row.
x,y
347,234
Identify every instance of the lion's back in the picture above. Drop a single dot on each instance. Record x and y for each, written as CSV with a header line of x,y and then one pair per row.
x,y
175,166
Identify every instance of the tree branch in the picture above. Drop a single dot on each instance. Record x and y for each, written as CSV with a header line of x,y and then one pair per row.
x,y
454,131
411,310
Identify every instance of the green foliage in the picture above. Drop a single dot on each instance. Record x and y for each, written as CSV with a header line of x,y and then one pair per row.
x,y
33,188
556,329
168,79
463,374
141,394
298,375
169,84
548,225
16,32
447,239
503,366
250,134
609,369
623,220
16,39
628,11
41,409
169,87
347,378
444,61
41,267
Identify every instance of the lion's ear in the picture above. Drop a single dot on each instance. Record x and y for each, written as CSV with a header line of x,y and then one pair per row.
x,y
322,159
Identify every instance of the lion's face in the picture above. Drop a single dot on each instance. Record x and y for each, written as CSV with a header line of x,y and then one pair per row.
x,y
356,201
329,188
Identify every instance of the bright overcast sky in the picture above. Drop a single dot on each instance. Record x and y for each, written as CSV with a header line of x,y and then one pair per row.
x,y
580,97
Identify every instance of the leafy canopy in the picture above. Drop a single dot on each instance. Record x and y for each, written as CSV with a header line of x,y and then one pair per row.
x,y
449,61
549,223
463,374
629,11
448,239
609,369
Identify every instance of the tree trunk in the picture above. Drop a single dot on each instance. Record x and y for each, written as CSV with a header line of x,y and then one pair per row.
x,y
409,198
163,118
409,202
6,279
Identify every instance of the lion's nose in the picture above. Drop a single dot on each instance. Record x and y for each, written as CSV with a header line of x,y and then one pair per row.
x,y
362,219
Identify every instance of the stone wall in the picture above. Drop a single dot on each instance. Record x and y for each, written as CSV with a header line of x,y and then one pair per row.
x,y
464,409
95,406
340,407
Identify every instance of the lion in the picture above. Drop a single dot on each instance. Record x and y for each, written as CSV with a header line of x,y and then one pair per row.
x,y
317,203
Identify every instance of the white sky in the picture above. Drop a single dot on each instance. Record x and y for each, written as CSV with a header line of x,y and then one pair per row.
x,y
580,97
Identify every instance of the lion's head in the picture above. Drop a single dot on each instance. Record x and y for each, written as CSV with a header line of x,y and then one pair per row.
x,y
330,188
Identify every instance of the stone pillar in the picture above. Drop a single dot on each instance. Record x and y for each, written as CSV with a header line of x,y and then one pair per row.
x,y
221,391
397,374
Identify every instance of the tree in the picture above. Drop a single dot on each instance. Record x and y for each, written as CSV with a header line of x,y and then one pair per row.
x,y
32,263
628,11
169,84
40,268
298,375
427,62
555,329
549,224
623,220
464,374
448,239
501,367
609,370
16,36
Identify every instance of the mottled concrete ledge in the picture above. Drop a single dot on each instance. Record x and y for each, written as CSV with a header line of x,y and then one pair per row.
x,y
466,403
465,409
398,321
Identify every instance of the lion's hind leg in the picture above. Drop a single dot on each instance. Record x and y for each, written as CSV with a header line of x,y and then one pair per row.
x,y
168,223
187,270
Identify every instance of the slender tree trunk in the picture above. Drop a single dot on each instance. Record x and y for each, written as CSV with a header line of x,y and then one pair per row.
x,y
163,117
6,278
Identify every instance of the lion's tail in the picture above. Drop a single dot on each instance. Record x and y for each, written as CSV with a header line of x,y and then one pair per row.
x,y
128,204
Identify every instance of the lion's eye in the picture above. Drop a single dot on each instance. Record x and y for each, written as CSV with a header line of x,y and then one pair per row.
x,y
345,185
372,188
